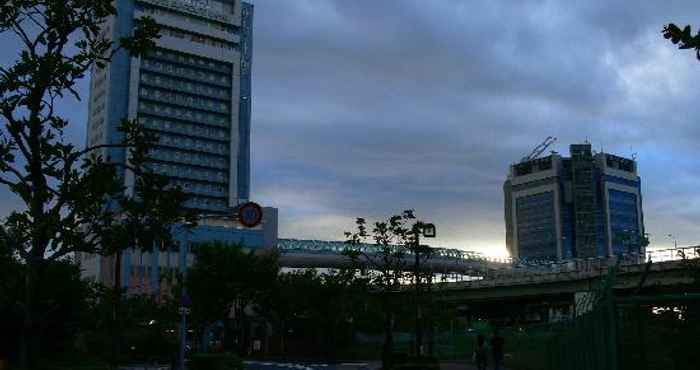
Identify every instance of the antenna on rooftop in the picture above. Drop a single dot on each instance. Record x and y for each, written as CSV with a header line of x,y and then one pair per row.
x,y
539,149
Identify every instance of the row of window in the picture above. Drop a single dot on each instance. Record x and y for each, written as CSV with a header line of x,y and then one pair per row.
x,y
206,203
623,222
183,114
185,72
219,10
201,188
182,99
189,143
188,158
194,37
192,60
183,171
617,201
189,87
535,220
184,128
192,20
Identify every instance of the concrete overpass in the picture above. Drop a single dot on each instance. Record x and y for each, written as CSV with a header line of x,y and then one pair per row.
x,y
533,284
329,254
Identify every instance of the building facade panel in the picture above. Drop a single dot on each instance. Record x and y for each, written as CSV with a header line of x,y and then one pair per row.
x,y
536,225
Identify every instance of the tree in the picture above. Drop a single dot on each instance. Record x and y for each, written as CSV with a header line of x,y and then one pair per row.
x,y
393,239
224,281
75,200
343,298
147,327
683,38
61,300
293,305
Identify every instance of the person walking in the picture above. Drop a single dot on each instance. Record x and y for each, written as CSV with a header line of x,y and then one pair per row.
x,y
497,347
480,352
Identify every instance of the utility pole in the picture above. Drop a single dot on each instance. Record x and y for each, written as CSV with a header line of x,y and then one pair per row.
x,y
427,230
675,242
184,311
416,275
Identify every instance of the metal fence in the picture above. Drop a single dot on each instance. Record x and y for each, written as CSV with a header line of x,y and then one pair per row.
x,y
659,332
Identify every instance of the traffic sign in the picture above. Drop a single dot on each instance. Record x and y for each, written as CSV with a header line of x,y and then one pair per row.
x,y
250,214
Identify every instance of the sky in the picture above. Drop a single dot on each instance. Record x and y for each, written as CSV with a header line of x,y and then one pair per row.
x,y
365,108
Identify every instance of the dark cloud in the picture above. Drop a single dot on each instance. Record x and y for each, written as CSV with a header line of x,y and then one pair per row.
x,y
364,108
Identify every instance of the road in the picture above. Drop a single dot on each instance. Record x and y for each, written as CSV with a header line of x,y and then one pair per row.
x,y
262,365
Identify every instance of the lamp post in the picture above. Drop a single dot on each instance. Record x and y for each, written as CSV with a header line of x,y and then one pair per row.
x,y
185,301
429,231
675,241
185,304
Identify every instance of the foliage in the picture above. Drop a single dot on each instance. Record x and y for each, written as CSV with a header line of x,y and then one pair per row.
x,y
395,238
219,361
692,265
683,38
75,200
61,300
316,314
147,327
225,280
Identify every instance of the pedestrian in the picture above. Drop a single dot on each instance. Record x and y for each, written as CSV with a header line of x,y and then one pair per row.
x,y
481,352
497,347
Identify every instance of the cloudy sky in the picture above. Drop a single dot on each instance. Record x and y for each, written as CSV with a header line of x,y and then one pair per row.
x,y
366,108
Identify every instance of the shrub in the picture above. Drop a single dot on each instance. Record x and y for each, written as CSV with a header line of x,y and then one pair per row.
x,y
215,361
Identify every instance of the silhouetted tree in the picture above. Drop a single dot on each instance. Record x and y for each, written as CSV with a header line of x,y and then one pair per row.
x,y
683,38
389,267
75,200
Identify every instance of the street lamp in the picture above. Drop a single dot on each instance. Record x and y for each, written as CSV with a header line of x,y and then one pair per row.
x,y
185,304
185,301
675,241
429,231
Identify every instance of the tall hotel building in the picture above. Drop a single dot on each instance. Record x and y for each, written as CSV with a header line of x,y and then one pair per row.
x,y
193,90
587,205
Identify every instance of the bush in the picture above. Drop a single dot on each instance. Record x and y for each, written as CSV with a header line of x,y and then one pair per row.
x,y
215,361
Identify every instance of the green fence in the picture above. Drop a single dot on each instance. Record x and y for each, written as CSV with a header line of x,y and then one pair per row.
x,y
659,332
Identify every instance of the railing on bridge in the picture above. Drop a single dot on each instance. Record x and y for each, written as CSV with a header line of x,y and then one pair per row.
x,y
337,247
673,254
500,267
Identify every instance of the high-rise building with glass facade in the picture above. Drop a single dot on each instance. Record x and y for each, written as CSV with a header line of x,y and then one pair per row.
x,y
193,90
587,205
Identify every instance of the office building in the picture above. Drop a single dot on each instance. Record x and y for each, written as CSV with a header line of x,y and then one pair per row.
x,y
194,91
586,205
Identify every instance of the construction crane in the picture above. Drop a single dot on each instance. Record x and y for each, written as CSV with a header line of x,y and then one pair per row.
x,y
549,141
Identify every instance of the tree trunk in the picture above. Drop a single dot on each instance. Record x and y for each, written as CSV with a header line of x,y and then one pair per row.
x,y
116,307
283,350
388,349
27,335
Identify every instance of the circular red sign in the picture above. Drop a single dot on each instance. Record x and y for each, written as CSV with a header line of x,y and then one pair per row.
x,y
250,214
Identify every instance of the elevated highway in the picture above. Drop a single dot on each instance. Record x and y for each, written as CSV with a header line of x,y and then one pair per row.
x,y
584,279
